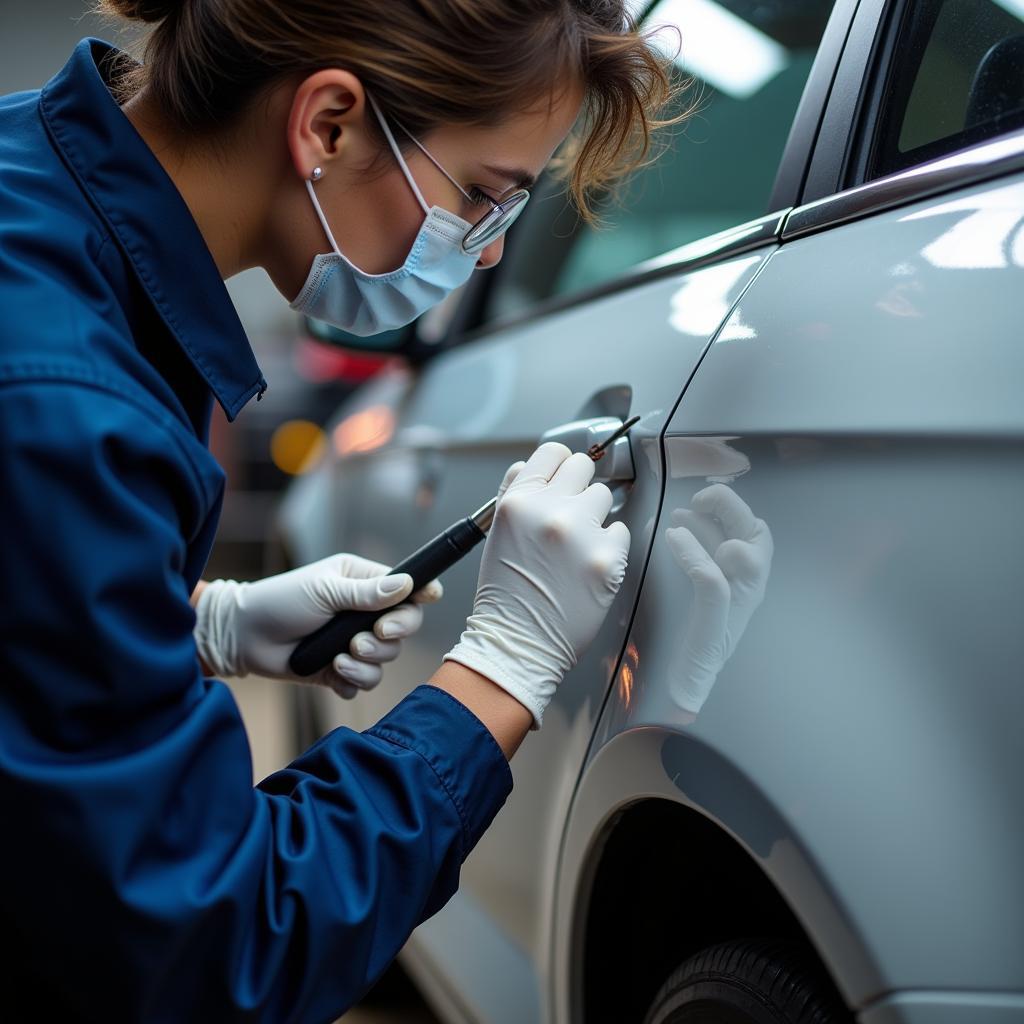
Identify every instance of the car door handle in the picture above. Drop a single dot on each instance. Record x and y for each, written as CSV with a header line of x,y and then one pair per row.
x,y
616,465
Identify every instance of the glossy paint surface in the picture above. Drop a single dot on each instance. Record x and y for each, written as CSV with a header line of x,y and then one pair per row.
x,y
862,737
454,431
946,1008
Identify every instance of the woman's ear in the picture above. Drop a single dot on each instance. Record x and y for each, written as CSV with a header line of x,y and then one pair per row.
x,y
326,120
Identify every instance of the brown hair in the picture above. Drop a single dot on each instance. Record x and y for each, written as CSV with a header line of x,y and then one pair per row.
x,y
430,62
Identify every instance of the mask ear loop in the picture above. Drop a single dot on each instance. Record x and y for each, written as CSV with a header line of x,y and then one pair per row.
x,y
398,154
323,219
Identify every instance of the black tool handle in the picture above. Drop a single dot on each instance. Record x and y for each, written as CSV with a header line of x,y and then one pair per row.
x,y
319,649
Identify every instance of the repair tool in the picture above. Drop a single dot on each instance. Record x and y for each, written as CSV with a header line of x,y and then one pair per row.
x,y
319,649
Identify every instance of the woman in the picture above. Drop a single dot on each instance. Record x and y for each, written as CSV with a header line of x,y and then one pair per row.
x,y
368,157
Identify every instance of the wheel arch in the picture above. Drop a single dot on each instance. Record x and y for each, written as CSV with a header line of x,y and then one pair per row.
x,y
654,867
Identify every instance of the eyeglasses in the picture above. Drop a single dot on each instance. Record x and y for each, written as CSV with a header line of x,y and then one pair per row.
x,y
493,224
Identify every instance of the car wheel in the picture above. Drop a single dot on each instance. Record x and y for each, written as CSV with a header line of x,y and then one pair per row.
x,y
753,981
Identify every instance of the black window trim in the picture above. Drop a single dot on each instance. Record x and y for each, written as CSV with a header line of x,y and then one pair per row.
x,y
803,133
876,75
977,163
847,100
833,194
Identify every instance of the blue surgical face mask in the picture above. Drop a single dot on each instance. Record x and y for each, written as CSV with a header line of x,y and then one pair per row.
x,y
339,293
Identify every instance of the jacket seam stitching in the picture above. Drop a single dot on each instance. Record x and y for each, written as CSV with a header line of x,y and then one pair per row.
x,y
387,735
464,711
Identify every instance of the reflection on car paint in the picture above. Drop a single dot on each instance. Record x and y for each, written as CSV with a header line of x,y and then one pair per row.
x,y
712,458
899,300
989,236
736,330
703,300
627,674
726,552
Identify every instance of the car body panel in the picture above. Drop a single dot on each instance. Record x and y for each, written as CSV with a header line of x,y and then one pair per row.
x,y
655,762
946,1008
456,426
868,721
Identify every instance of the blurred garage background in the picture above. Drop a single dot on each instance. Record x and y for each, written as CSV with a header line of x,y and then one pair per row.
x,y
269,442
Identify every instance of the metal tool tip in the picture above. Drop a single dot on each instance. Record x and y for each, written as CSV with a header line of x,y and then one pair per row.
x,y
596,451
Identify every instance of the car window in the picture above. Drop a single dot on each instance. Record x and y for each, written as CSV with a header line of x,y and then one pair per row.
x,y
748,61
957,79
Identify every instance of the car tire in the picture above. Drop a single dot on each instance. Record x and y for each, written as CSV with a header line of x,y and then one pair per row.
x,y
751,981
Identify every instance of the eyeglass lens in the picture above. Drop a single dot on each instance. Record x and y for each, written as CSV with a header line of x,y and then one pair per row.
x,y
495,222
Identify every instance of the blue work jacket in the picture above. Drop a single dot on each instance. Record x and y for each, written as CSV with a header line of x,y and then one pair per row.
x,y
144,877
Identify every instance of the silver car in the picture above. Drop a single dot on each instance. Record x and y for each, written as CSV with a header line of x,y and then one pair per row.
x,y
785,782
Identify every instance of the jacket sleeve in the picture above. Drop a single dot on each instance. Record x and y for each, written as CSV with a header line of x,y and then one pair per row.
x,y
144,877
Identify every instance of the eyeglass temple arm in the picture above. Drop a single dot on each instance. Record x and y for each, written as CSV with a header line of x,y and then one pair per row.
x,y
426,152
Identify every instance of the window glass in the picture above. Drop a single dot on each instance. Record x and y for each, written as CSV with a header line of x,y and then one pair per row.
x,y
958,79
749,61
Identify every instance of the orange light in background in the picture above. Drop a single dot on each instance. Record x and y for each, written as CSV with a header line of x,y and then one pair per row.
x,y
296,445
365,430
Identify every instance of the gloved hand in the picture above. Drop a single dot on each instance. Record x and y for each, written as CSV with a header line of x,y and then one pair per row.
x,y
548,575
727,553
254,627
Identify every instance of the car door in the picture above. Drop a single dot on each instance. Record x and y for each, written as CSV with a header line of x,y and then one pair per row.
x,y
864,399
575,326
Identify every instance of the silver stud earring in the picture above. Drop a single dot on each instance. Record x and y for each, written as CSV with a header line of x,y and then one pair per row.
x,y
317,174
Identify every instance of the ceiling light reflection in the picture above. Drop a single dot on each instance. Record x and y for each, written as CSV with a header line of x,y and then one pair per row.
x,y
719,47
983,239
705,297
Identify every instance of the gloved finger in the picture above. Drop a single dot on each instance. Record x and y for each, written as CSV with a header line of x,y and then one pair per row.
x,y
399,623
573,475
762,540
748,565
540,467
367,647
744,562
356,567
749,583
711,588
362,674
346,691
703,650
728,508
432,592
618,534
706,529
429,593
597,498
338,593
510,474
330,679
609,558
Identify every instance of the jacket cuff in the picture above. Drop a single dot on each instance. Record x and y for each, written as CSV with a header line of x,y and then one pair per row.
x,y
460,749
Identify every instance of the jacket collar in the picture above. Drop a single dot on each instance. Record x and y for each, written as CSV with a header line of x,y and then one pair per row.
x,y
150,220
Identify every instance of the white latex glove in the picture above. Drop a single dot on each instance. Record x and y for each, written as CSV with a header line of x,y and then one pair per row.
x,y
254,627
548,575
727,553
